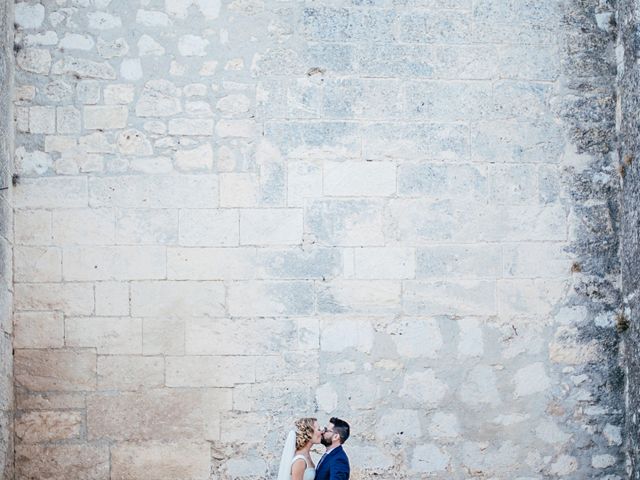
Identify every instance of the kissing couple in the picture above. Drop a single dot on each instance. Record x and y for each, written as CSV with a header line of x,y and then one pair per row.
x,y
296,462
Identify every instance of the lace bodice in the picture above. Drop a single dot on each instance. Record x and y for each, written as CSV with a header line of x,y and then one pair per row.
x,y
310,472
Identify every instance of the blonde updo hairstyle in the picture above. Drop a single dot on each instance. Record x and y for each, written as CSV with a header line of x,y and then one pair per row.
x,y
304,431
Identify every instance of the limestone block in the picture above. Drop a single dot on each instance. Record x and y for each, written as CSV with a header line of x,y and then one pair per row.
x,y
129,372
467,62
112,299
69,298
147,226
529,297
48,426
159,98
97,142
176,191
362,98
42,119
462,261
288,367
37,264
152,18
84,68
236,128
38,330
112,49
444,425
179,461
119,94
359,179
564,465
211,263
376,297
234,104
191,126
345,222
55,370
301,263
105,117
148,46
68,120
471,343
83,226
327,398
103,21
199,158
223,336
526,100
239,189
480,387
158,414
271,226
163,336
613,434
252,466
114,263
239,427
424,387
108,335
49,400
537,64
346,334
399,423
531,379
61,462
76,41
429,458
304,180
549,432
603,461
464,297
308,140
34,60
32,227
370,458
30,163
259,397
177,299
439,181
536,260
385,263
29,16
204,227
513,184
270,298
416,338
150,165
415,141
446,101
133,142
88,92
192,46
59,143
210,371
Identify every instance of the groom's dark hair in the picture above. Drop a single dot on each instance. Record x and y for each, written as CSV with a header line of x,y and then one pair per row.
x,y
341,428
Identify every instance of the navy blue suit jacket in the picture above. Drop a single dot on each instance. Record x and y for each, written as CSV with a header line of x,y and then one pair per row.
x,y
335,466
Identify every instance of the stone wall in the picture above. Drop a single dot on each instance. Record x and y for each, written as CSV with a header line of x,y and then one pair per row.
x,y
401,212
6,240
628,129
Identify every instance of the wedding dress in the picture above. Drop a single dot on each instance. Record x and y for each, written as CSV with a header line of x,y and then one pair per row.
x,y
289,456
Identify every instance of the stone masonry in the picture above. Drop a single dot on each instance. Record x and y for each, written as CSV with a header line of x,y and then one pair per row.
x,y
6,240
230,214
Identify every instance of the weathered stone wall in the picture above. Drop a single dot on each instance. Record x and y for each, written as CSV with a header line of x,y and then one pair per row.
x,y
6,240
232,214
628,128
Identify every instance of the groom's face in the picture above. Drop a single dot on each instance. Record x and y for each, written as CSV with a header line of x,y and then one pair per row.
x,y
328,436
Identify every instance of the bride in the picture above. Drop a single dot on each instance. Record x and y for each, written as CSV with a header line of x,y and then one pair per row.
x,y
296,463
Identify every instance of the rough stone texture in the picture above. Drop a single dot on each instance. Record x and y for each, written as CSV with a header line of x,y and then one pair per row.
x,y
628,20
235,213
6,232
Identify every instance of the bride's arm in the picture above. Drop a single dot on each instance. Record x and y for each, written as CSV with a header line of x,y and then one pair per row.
x,y
297,469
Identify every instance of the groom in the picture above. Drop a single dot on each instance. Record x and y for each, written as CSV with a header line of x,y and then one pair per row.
x,y
334,464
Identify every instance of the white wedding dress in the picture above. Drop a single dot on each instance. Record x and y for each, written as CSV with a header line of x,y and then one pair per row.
x,y
309,472
289,456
